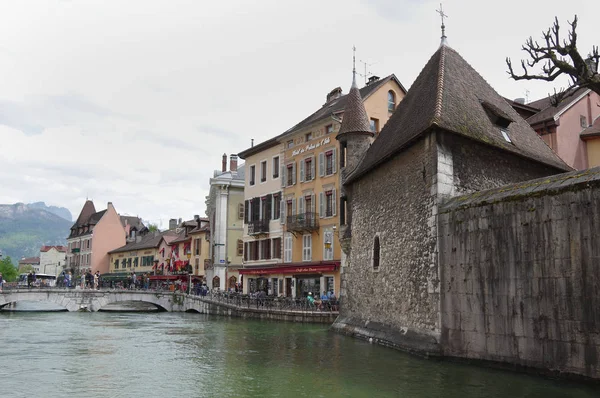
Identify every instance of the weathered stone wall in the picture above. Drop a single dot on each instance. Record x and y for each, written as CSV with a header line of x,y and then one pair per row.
x,y
478,166
520,275
392,304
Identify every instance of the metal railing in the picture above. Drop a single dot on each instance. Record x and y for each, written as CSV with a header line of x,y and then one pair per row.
x,y
258,227
308,221
252,301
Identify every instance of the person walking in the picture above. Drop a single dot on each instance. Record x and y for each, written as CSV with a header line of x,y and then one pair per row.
x,y
1,282
96,280
82,281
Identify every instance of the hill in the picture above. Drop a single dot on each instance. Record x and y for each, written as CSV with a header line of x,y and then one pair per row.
x,y
59,211
24,228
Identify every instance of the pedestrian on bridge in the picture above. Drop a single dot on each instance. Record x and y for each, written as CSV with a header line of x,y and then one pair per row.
x,y
1,281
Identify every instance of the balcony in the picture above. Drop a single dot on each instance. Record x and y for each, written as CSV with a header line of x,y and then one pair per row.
x,y
305,222
257,227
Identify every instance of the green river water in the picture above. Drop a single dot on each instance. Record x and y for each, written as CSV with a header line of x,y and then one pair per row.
x,y
119,354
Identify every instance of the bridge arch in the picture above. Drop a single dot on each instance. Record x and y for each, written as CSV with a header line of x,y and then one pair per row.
x,y
68,303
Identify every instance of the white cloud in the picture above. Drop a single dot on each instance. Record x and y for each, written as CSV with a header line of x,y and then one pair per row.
x,y
135,102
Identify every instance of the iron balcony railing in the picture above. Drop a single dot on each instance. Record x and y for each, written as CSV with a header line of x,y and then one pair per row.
x,y
258,227
303,222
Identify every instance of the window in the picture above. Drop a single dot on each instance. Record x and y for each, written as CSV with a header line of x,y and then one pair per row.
x,y
391,101
88,241
276,242
306,247
343,204
505,135
328,203
374,125
327,162
240,247
328,244
263,171
329,129
241,209
291,174
343,147
197,247
252,173
289,144
307,170
583,121
136,261
308,137
376,253
197,266
116,264
276,167
287,248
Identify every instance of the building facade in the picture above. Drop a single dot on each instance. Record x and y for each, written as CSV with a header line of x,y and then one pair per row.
x,y
52,259
291,244
224,209
92,236
568,127
27,262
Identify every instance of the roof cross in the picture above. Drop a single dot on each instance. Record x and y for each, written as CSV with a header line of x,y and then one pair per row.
x,y
442,15
353,65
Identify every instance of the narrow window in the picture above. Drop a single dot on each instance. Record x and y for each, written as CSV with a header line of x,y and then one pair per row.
x,y
583,121
307,248
263,171
376,250
240,248
252,174
308,136
308,169
343,148
290,144
276,167
329,129
391,101
328,162
374,125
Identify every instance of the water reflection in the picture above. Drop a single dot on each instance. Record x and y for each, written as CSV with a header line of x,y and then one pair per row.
x,y
129,354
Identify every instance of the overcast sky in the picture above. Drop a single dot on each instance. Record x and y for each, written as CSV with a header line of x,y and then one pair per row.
x,y
134,102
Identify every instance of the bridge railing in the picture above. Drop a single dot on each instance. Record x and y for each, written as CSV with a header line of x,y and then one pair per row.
x,y
273,303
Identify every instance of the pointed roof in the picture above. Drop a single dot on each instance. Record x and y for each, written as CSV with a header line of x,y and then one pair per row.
x,y
450,94
86,212
355,118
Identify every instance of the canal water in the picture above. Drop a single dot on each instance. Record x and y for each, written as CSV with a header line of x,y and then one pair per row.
x,y
128,354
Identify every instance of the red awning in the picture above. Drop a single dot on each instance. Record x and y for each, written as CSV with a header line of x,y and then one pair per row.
x,y
298,269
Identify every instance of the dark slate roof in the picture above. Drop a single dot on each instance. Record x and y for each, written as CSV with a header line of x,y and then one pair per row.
x,y
448,93
94,218
134,221
355,115
149,241
328,109
544,185
548,111
592,131
86,211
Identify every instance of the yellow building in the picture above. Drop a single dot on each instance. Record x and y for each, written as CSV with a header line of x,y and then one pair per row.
x,y
309,259
591,136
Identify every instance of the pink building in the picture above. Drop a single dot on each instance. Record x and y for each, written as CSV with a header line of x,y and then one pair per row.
x,y
92,236
566,127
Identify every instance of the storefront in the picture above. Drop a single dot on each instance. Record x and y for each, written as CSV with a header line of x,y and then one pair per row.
x,y
293,280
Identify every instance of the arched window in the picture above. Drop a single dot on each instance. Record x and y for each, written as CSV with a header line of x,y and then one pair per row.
x,y
391,101
376,251
216,282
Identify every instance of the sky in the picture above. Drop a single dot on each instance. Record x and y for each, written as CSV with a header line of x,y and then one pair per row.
x,y
135,102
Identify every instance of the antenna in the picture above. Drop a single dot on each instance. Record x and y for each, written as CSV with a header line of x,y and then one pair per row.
x,y
366,75
527,96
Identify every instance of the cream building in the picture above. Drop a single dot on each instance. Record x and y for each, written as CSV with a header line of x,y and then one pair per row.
x,y
52,259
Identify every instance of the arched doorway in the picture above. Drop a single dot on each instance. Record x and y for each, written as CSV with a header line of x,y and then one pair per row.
x,y
216,282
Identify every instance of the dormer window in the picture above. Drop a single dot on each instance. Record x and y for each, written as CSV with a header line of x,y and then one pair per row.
x,y
497,116
505,135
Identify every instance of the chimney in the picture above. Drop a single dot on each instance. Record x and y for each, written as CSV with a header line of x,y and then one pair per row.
x,y
233,163
224,167
109,205
179,223
520,100
251,142
372,79
172,223
335,93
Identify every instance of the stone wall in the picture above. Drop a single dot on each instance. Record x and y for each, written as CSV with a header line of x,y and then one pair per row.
x,y
520,274
393,304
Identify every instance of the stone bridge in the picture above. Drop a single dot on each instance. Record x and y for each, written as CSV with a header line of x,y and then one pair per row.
x,y
94,300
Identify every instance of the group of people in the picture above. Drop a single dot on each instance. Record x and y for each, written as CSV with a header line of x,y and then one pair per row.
x,y
327,299
89,280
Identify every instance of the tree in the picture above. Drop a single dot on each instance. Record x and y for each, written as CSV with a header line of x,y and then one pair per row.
x,y
8,270
26,268
153,228
558,59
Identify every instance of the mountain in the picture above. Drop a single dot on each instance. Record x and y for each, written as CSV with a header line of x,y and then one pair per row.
x,y
59,211
24,228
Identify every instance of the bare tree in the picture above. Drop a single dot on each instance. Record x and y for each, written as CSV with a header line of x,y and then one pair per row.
x,y
558,59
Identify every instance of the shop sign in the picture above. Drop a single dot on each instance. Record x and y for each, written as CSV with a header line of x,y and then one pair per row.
x,y
289,270
310,147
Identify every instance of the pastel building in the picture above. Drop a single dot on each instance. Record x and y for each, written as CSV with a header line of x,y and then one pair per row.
x,y
52,259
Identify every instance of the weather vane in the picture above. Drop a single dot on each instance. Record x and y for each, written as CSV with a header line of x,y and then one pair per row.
x,y
442,15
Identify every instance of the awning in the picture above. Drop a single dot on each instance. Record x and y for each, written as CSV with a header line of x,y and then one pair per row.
x,y
114,277
298,269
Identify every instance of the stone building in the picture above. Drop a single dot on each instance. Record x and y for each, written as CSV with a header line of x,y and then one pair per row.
x,y
403,285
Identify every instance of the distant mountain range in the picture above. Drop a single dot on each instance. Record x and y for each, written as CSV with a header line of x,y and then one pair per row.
x,y
24,228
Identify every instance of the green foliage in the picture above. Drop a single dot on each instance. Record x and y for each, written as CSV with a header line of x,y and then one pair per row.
x,y
26,268
153,228
8,270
